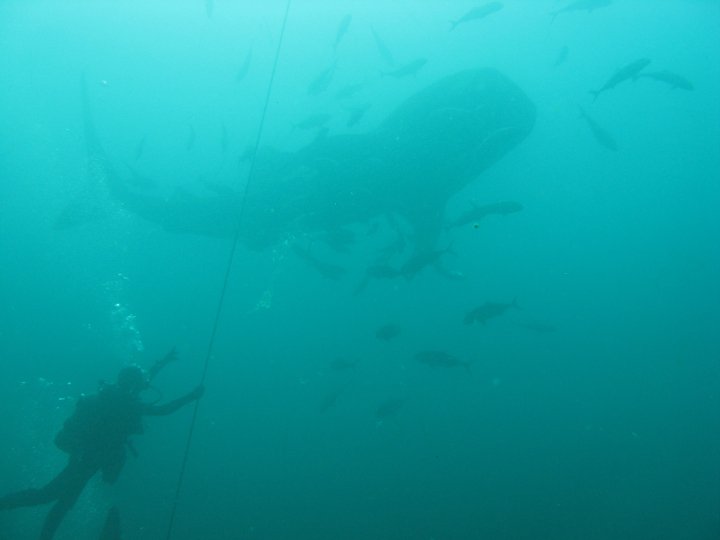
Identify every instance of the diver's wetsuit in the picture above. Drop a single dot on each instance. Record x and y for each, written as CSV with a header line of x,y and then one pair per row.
x,y
95,437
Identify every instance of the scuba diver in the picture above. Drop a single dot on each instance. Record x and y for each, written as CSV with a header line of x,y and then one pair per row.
x,y
96,438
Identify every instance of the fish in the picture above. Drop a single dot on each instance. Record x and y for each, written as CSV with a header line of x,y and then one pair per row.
x,y
388,409
111,528
382,48
601,135
209,8
314,121
420,260
328,270
329,401
382,271
561,56
223,138
441,138
139,180
581,5
342,30
477,13
668,77
408,69
343,363
139,149
478,213
321,82
451,275
356,114
349,90
339,240
537,326
377,271
629,72
440,359
190,141
488,311
388,332
395,247
245,67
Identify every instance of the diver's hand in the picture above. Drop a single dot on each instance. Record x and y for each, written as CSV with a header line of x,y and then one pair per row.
x,y
198,392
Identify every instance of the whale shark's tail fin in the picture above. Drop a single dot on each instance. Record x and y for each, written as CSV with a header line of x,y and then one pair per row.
x,y
92,197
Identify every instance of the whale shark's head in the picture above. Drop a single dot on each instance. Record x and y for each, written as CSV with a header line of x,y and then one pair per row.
x,y
461,125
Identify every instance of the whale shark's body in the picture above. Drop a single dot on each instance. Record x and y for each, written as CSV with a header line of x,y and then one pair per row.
x,y
428,149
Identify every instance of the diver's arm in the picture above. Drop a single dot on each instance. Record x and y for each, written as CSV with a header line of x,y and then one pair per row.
x,y
172,406
160,364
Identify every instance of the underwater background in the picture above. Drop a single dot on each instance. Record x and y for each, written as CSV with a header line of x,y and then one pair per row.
x,y
587,407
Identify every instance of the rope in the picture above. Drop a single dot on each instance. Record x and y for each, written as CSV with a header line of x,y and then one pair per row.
x,y
226,278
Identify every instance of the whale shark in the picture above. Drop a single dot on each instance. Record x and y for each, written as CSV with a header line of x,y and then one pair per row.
x,y
428,148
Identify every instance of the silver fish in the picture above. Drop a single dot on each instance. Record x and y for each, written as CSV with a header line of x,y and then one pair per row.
x,y
408,69
602,136
477,13
629,72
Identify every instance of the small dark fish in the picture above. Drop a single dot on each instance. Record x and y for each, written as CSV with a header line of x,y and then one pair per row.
x,y
561,56
209,8
356,114
343,364
314,121
138,180
420,260
382,49
223,138
441,359
329,401
328,270
537,327
320,83
489,310
477,13
111,529
408,69
629,72
581,5
378,271
190,143
388,332
394,248
321,134
348,91
342,30
478,213
673,79
338,239
602,136
388,409
245,67
452,275
140,148
382,271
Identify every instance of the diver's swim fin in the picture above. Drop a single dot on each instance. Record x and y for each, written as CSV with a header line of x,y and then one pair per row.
x,y
111,529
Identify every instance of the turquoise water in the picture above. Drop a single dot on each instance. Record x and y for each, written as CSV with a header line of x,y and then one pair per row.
x,y
591,410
